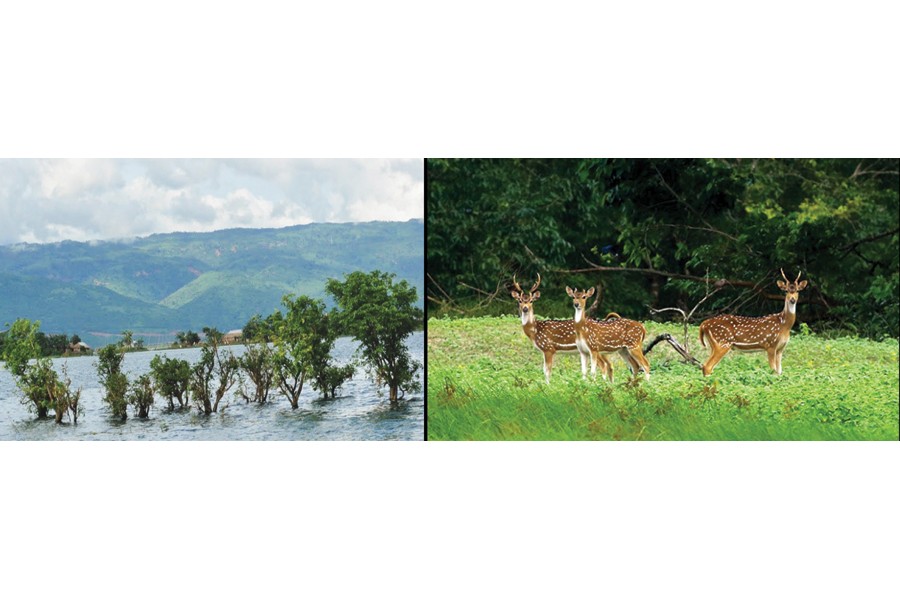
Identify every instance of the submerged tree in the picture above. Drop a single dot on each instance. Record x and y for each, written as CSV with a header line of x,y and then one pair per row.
x,y
114,381
140,395
41,387
303,341
328,379
62,397
257,363
172,377
214,368
381,314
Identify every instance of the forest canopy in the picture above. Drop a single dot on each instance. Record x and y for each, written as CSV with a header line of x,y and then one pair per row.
x,y
653,233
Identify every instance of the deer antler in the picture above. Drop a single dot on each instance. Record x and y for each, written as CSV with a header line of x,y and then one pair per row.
x,y
535,286
786,280
516,284
796,281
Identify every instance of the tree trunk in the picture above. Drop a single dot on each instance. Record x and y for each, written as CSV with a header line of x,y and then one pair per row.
x,y
394,400
41,411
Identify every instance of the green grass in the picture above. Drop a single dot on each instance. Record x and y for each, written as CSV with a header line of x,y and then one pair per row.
x,y
485,382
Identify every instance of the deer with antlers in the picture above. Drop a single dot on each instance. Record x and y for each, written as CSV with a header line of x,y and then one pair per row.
x,y
550,336
598,338
753,334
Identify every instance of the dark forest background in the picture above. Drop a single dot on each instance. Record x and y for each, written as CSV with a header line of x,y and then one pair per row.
x,y
657,233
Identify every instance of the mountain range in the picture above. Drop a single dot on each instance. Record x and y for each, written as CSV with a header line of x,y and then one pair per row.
x,y
170,282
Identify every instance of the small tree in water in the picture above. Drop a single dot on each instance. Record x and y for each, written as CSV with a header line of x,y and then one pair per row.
x,y
215,368
381,314
42,388
329,379
258,364
109,368
172,377
303,341
141,395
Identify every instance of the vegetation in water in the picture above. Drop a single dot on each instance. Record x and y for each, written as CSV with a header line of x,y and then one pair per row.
x,y
485,383
140,396
172,378
213,375
380,314
41,387
302,337
113,380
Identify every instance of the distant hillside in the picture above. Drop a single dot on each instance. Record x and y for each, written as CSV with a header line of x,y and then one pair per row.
x,y
176,281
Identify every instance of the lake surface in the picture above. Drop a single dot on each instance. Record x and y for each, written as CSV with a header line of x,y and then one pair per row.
x,y
360,412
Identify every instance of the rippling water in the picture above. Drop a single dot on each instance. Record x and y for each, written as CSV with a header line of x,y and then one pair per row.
x,y
358,413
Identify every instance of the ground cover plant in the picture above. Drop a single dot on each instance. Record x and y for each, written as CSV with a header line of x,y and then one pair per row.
x,y
485,383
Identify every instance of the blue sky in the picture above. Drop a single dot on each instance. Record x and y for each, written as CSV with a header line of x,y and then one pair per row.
x,y
49,200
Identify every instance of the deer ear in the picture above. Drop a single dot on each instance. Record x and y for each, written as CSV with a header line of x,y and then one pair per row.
x,y
782,286
514,294
802,285
535,295
590,293
570,292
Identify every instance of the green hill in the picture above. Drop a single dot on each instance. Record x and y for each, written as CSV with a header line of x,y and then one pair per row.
x,y
176,281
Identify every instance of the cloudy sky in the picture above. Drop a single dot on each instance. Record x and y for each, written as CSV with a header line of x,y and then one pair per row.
x,y
48,200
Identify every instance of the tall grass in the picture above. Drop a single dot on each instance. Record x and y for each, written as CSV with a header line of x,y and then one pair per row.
x,y
485,383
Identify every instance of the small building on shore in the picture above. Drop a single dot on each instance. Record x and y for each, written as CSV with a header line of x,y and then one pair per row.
x,y
79,348
234,336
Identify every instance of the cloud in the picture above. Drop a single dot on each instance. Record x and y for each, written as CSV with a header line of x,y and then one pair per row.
x,y
48,200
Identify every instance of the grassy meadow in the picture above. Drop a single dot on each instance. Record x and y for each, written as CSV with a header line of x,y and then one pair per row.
x,y
485,382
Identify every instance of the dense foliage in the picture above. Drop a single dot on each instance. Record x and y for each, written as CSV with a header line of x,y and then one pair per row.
x,y
140,395
172,377
661,233
113,380
213,375
381,314
42,388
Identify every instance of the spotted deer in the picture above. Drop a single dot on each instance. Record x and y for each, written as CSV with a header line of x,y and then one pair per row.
x,y
598,338
550,336
769,334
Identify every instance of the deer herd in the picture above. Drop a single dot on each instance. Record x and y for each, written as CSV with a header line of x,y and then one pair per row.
x,y
594,340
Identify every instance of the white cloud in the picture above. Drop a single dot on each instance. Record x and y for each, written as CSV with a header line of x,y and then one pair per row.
x,y
82,199
72,177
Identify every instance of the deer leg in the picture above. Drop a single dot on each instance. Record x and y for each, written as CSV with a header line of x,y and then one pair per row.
x,y
548,365
773,360
638,357
778,358
605,367
584,361
632,365
715,356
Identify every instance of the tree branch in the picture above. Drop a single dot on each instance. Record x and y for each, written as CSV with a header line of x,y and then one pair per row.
x,y
719,283
866,240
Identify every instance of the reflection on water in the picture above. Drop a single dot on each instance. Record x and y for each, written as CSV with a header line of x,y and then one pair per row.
x,y
361,412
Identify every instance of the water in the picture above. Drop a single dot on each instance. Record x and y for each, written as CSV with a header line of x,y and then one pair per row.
x,y
358,413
